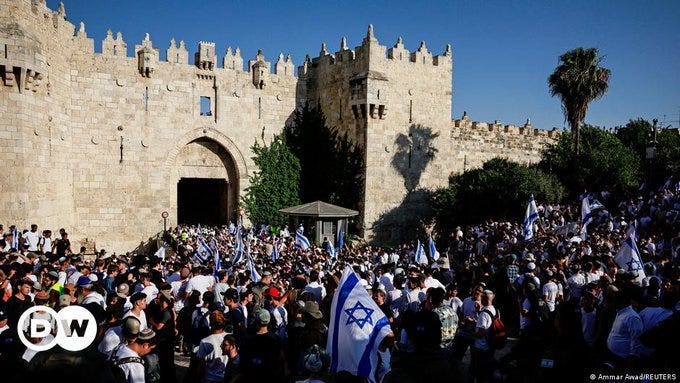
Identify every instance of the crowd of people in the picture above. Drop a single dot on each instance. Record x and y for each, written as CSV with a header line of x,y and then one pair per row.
x,y
569,309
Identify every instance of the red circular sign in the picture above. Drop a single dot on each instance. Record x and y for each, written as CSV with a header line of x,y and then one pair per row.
x,y
164,214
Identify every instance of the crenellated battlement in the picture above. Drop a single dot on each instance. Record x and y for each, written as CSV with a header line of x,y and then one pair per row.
x,y
371,49
499,128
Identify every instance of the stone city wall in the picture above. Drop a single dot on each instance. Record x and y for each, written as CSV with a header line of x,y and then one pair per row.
x,y
97,142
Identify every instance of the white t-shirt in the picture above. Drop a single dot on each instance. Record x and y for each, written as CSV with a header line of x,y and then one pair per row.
x,y
142,319
550,289
317,290
455,303
151,292
201,283
112,338
210,350
96,298
134,372
484,322
32,238
46,244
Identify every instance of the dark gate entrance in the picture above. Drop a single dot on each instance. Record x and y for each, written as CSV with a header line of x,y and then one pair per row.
x,y
202,200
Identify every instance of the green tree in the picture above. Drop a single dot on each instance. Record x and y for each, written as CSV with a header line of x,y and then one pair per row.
x,y
668,153
605,162
578,80
276,183
331,165
499,190
636,134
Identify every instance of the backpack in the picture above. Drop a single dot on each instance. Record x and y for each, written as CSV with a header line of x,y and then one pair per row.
x,y
114,363
496,335
541,313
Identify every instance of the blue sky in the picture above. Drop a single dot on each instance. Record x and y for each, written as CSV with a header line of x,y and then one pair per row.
x,y
503,50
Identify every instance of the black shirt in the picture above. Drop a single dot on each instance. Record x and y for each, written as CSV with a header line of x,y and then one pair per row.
x,y
16,307
261,358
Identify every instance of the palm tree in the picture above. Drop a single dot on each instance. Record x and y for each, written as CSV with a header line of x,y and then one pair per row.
x,y
578,80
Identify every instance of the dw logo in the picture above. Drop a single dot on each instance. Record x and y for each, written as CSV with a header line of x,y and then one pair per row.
x,y
75,328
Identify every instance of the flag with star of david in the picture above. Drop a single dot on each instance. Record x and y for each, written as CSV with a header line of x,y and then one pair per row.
x,y
357,326
586,217
628,257
530,217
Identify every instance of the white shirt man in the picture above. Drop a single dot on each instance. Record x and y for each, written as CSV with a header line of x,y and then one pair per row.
x,y
210,350
46,243
200,283
32,238
576,283
483,323
128,356
623,339
550,294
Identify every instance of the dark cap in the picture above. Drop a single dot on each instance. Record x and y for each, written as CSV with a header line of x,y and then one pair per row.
x,y
262,317
3,314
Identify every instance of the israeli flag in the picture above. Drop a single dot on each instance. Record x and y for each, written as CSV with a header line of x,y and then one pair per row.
x,y
357,326
331,250
160,253
586,216
218,260
420,254
433,250
628,257
238,251
203,252
254,275
275,251
301,241
530,217
341,240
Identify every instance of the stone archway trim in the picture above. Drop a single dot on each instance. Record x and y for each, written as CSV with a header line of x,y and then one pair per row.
x,y
221,138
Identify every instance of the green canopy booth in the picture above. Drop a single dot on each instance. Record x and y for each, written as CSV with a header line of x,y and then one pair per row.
x,y
321,220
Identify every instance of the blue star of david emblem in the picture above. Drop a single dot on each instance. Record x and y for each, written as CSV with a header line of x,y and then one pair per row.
x,y
359,321
634,265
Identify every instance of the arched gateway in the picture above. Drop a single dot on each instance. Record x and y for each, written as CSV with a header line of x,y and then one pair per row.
x,y
209,171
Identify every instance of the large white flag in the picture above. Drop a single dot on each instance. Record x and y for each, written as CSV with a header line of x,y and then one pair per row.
x,y
357,326
161,252
530,217
628,257
586,216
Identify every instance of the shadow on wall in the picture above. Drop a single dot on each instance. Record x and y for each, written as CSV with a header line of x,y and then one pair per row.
x,y
413,154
